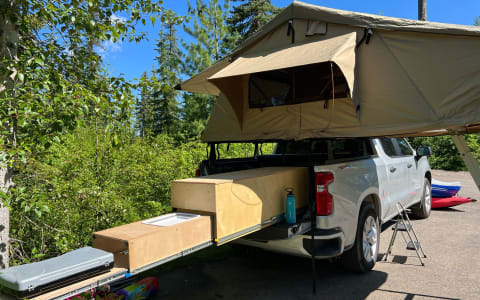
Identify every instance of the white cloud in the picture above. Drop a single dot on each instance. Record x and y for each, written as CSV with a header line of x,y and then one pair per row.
x,y
108,47
111,46
117,19
69,52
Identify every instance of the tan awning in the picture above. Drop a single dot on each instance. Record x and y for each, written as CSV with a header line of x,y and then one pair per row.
x,y
200,84
337,49
475,128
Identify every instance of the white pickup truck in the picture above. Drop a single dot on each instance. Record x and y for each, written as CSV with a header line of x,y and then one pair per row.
x,y
356,184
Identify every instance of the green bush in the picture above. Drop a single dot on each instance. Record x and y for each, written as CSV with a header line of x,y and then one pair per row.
x,y
92,180
445,154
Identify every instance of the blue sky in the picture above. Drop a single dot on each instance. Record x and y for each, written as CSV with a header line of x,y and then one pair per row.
x,y
132,59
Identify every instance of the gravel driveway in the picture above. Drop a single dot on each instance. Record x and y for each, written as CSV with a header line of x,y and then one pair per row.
x,y
450,238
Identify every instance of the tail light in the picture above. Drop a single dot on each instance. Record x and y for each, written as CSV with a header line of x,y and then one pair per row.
x,y
323,197
197,173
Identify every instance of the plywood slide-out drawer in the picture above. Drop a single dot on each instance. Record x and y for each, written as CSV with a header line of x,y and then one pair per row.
x,y
142,243
243,199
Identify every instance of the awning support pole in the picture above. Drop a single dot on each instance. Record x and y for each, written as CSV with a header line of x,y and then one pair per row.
x,y
468,159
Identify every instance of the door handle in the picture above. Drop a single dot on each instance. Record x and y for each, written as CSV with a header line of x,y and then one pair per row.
x,y
409,165
393,169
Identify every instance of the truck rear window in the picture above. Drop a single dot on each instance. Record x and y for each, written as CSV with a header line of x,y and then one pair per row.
x,y
348,148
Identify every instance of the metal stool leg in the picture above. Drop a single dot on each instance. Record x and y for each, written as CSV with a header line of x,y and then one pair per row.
x,y
404,220
392,240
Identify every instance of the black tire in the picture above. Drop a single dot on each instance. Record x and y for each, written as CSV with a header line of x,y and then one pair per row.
x,y
422,210
354,259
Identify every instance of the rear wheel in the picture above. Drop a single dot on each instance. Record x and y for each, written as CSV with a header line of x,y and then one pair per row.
x,y
422,210
363,255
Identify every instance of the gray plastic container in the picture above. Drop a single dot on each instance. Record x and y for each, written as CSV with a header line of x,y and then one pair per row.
x,y
40,277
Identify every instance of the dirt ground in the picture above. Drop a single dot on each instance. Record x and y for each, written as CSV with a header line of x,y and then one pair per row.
x,y
450,238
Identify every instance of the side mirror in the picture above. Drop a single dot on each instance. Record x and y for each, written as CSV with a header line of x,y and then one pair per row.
x,y
424,151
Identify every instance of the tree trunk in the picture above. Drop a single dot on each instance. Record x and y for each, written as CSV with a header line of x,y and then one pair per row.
x,y
9,38
422,10
4,239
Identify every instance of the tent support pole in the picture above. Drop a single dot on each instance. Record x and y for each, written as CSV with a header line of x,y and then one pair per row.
x,y
470,161
422,10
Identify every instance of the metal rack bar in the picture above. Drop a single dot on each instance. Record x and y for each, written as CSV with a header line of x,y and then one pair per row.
x,y
249,230
83,286
169,258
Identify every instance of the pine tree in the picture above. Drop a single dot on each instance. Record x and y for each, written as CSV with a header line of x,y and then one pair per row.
x,y
208,32
250,16
164,97
144,109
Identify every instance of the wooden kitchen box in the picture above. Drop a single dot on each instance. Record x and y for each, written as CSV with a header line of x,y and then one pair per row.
x,y
241,201
139,244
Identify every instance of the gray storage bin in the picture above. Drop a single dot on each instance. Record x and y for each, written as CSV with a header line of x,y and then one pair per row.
x,y
40,277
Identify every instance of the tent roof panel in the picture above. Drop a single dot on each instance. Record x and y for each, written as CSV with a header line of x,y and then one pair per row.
x,y
302,10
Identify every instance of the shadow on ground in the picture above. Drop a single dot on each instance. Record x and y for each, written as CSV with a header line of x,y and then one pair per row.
x,y
226,273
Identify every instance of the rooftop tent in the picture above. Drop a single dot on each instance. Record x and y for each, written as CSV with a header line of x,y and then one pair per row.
x,y
319,72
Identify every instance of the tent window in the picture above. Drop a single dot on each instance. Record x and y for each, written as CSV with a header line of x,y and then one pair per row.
x,y
296,85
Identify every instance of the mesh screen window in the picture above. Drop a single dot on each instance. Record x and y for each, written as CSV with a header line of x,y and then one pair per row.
x,y
296,85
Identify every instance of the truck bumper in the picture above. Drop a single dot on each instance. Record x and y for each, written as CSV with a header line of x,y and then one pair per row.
x,y
325,244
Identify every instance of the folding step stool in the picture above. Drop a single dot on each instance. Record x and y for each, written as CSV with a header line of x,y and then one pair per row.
x,y
403,224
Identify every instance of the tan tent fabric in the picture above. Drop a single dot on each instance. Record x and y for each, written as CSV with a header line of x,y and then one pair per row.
x,y
410,78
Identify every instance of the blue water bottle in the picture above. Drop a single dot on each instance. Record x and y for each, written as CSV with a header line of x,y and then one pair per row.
x,y
290,207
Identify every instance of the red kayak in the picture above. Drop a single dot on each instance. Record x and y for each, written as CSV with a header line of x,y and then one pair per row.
x,y
449,202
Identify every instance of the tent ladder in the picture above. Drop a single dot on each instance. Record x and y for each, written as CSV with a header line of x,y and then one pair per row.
x,y
470,161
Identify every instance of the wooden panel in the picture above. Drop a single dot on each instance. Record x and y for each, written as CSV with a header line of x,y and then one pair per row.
x,y
205,213
194,195
241,199
147,244
119,248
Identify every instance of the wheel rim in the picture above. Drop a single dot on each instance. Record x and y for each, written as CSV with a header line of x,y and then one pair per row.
x,y
428,198
370,239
